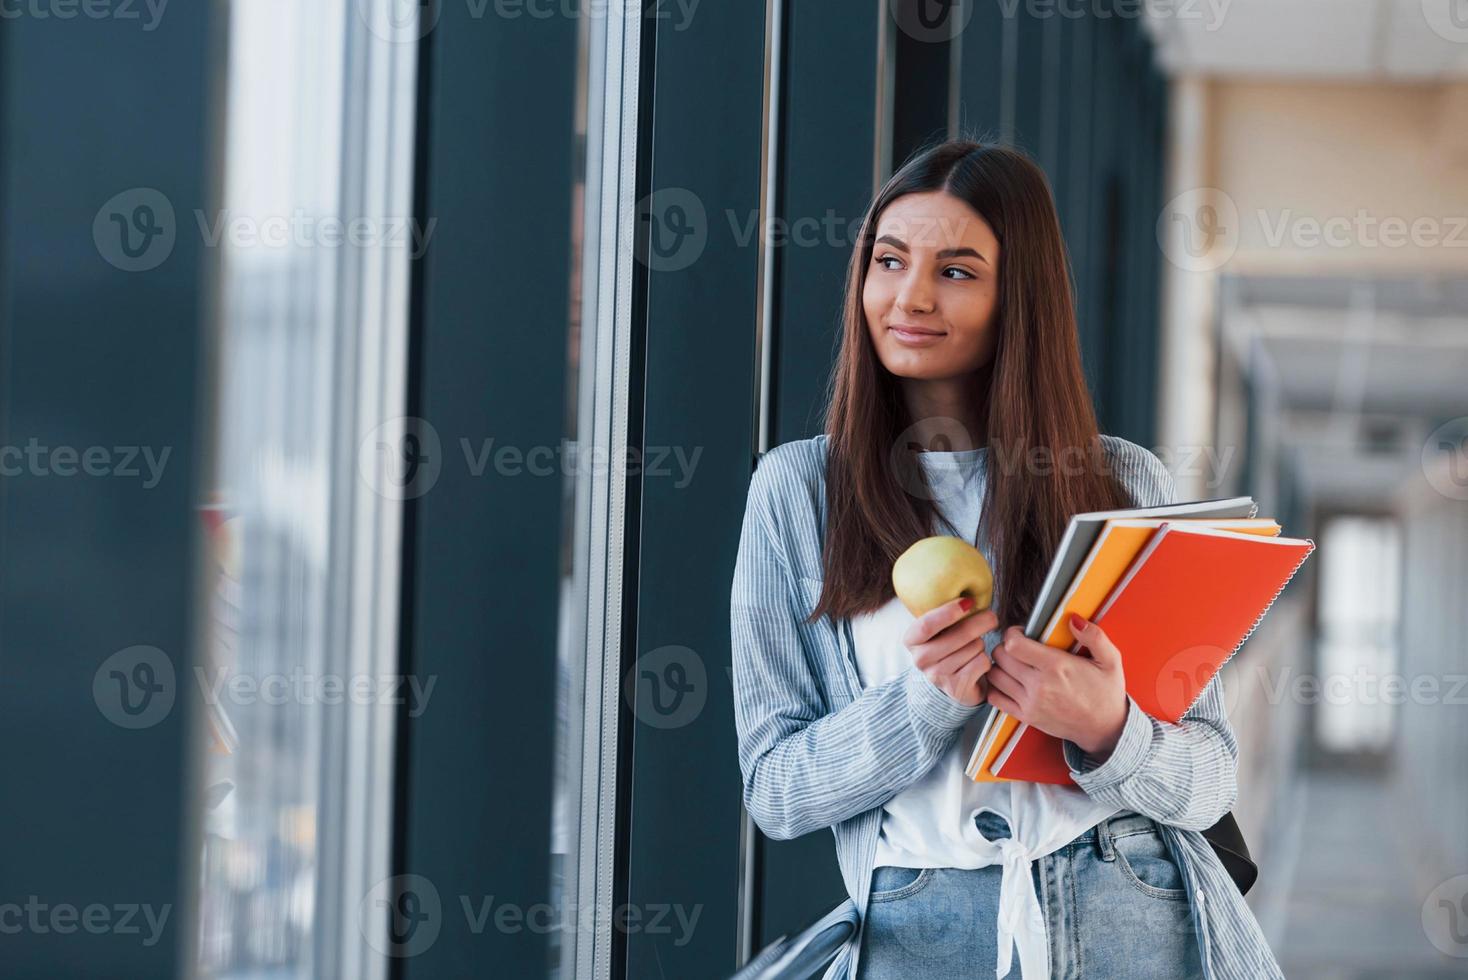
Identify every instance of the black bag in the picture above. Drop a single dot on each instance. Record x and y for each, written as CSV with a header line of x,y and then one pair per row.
x,y
1227,841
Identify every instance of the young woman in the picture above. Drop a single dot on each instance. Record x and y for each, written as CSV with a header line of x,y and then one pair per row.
x,y
959,406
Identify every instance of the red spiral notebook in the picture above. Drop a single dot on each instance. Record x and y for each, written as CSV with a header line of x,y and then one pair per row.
x,y
1185,606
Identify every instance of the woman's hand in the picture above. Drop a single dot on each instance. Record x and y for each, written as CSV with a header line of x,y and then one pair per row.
x,y
1071,696
947,644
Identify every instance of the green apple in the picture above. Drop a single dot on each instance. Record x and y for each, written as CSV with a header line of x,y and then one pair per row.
x,y
940,569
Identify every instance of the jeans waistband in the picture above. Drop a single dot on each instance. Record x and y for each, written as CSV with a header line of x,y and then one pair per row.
x,y
1117,826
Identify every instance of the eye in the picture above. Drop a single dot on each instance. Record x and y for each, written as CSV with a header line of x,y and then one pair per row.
x,y
882,261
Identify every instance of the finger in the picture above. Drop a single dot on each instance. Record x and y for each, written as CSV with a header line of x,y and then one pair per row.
x,y
982,622
1004,702
963,656
1002,680
928,651
1094,639
931,623
951,612
973,671
1004,657
937,620
1032,653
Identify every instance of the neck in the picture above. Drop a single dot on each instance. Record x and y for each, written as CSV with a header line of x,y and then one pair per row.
x,y
964,398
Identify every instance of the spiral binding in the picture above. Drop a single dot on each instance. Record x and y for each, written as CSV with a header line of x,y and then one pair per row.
x,y
1267,606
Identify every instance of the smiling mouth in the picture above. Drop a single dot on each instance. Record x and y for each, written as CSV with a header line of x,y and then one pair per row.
x,y
914,332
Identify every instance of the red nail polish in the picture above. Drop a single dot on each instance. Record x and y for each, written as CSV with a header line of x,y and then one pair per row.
x,y
965,604
1076,622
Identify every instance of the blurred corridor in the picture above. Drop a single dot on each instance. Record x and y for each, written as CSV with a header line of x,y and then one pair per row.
x,y
1334,283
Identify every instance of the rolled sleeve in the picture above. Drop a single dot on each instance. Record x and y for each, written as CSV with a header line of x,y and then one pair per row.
x,y
1125,759
933,705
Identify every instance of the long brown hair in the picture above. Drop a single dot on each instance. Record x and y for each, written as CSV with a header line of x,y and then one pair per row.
x,y
1038,411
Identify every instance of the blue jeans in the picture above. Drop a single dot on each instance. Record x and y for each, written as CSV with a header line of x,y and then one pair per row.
x,y
1113,898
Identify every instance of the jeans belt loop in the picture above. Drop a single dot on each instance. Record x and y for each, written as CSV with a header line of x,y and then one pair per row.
x,y
1104,840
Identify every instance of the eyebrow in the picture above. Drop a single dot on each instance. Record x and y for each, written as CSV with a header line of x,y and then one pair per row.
x,y
947,253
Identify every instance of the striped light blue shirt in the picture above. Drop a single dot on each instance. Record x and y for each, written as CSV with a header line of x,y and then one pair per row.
x,y
816,750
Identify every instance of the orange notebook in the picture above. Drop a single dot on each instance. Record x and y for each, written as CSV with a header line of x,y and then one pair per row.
x,y
1115,549
1065,568
1187,603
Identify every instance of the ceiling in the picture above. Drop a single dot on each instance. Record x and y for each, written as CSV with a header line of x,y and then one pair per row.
x,y
1366,374
1390,346
1365,40
1358,371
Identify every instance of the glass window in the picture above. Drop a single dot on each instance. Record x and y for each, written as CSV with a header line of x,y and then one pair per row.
x,y
314,237
588,657
1360,596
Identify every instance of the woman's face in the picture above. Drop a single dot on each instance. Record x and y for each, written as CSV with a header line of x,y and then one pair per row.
x,y
935,271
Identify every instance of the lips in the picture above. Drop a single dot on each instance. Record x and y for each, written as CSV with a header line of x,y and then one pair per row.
x,y
910,336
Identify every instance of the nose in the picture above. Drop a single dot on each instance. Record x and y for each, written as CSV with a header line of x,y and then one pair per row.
x,y
915,295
